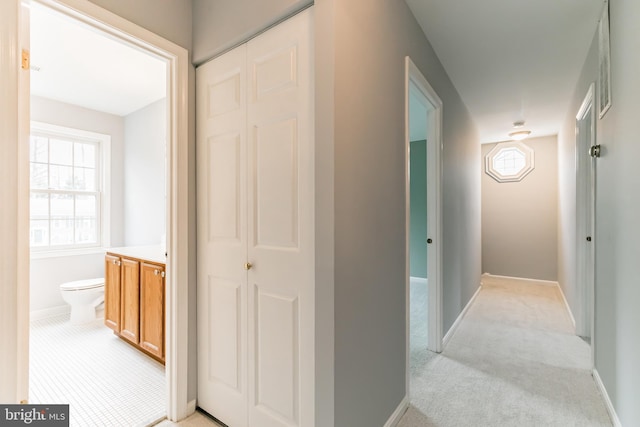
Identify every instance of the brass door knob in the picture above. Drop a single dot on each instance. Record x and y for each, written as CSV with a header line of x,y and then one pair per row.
x,y
248,265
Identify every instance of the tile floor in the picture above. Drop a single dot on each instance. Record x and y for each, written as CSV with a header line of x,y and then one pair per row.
x,y
105,381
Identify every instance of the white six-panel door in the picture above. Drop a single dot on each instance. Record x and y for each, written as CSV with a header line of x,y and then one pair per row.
x,y
255,230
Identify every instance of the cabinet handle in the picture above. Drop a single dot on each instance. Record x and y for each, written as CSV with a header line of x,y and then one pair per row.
x,y
156,272
116,262
162,274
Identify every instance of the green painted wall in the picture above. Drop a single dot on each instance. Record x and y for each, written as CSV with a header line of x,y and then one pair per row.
x,y
418,227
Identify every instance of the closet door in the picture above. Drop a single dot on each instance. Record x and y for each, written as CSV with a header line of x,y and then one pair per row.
x,y
255,231
280,212
222,237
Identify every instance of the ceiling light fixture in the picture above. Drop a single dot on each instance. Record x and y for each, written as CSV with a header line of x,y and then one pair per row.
x,y
519,134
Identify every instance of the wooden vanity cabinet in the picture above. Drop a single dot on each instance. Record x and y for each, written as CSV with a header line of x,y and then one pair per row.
x,y
135,302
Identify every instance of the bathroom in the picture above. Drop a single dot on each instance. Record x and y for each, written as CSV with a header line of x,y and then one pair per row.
x,y
119,123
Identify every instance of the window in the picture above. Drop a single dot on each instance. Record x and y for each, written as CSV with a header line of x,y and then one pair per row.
x,y
67,187
509,161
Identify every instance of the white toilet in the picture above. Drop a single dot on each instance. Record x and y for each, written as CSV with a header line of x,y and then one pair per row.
x,y
83,296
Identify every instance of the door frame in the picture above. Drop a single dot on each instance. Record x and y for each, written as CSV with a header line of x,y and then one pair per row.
x,y
585,220
415,79
176,322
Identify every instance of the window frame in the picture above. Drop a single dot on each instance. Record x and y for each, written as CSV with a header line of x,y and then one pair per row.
x,y
103,202
529,161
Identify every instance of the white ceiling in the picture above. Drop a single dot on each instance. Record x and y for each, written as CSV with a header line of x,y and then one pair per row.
x,y
511,59
80,66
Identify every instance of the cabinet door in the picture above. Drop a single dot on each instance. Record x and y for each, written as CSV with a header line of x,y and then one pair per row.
x,y
152,309
130,300
112,292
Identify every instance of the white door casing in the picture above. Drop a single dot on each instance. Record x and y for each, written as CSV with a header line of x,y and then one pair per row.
x,y
585,214
415,81
255,205
177,192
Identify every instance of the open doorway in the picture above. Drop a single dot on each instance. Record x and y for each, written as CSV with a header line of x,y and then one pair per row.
x,y
423,147
82,210
97,182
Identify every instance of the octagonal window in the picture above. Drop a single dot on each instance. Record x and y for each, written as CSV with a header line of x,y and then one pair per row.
x,y
509,161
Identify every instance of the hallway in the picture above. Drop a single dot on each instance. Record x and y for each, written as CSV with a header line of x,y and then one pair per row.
x,y
513,361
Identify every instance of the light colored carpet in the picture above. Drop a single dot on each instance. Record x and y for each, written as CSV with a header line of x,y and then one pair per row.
x,y
514,361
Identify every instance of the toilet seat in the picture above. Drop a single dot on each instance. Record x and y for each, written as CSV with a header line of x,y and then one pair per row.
x,y
80,285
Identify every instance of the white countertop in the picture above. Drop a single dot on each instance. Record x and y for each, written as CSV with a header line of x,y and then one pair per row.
x,y
155,253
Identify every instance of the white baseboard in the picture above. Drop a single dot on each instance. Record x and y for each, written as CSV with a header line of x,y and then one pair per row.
x,y
537,282
49,312
607,401
191,407
522,279
566,305
398,413
455,325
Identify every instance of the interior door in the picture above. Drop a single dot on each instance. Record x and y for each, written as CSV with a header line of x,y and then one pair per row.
x,y
585,213
255,219
222,237
280,212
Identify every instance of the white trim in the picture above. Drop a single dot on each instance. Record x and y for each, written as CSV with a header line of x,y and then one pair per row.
x,y
67,252
607,401
191,406
14,222
454,327
178,248
394,419
103,166
523,279
414,79
566,305
524,149
49,312
537,282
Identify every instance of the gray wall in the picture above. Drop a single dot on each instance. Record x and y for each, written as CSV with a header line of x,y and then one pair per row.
x,y
372,38
617,341
172,19
219,25
46,274
360,50
145,175
519,219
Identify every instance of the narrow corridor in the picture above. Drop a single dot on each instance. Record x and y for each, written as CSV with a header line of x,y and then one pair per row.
x,y
513,361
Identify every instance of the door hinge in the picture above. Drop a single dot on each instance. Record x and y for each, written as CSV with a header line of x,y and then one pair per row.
x,y
594,151
25,59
